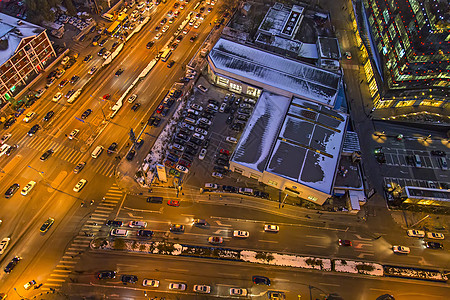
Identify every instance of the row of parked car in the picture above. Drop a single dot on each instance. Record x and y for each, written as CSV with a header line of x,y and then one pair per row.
x,y
239,109
76,21
232,189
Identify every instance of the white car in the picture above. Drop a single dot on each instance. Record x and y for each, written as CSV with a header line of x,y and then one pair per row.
x,y
197,24
213,107
196,107
165,28
106,55
79,185
92,70
140,224
416,233
202,88
202,154
5,138
201,131
198,136
401,249
158,35
177,286
150,282
132,98
238,292
204,121
271,228
182,169
435,235
178,147
204,289
211,186
3,244
217,175
230,139
241,234
3,149
222,107
190,127
119,232
57,96
29,116
28,188
73,134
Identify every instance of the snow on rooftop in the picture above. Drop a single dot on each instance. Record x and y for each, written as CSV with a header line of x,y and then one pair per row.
x,y
308,51
262,128
13,33
274,20
296,77
309,145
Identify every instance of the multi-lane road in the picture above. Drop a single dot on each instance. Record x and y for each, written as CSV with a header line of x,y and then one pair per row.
x,y
62,259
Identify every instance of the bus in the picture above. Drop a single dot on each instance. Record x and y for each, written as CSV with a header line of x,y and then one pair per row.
x,y
166,54
113,28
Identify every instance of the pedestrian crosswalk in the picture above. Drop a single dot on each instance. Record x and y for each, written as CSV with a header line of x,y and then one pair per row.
x,y
81,242
71,155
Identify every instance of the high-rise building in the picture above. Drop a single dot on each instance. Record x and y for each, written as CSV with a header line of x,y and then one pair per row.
x,y
408,53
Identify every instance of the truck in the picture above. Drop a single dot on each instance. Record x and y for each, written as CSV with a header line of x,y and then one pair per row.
x,y
166,54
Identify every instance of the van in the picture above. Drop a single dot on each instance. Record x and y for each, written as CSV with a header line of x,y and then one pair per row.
x,y
119,232
417,161
108,17
155,200
443,163
190,121
96,153
246,191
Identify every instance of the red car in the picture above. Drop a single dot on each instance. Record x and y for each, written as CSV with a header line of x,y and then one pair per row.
x,y
185,163
223,151
160,109
175,203
169,163
106,96
347,243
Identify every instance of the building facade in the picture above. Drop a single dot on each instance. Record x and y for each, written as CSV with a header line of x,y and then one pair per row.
x,y
25,50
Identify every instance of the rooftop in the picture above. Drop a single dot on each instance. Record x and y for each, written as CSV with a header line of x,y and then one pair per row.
x,y
12,31
298,78
297,140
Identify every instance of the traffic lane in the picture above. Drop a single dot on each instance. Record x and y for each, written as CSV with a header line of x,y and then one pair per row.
x,y
222,275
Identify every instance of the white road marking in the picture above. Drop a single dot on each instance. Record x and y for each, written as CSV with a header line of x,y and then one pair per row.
x,y
266,241
331,284
316,246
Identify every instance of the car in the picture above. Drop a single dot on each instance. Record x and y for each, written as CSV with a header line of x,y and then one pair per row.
x,y
261,194
119,72
101,52
435,235
401,249
4,244
158,35
212,186
10,266
87,58
47,224
29,284
217,175
112,148
79,167
200,222
346,243
114,45
202,154
238,292
28,117
34,129
132,98
202,88
221,162
129,279
193,38
438,153
434,245
150,283
223,151
348,55
215,240
155,200
130,155
150,44
276,295
170,63
46,154
73,134
231,140
79,186
63,83
145,233
173,202
9,122
57,96
416,233
70,93
92,70
114,223
30,185
261,280
182,169
163,21
11,149
12,190
74,79
119,232
177,286
106,96
135,106
241,233
204,289
5,138
106,274
271,228
140,224
176,228
106,54
86,113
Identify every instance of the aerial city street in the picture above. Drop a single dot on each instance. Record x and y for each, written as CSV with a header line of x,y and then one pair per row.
x,y
224,149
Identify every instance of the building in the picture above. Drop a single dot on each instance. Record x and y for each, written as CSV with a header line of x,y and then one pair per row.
x,y
426,196
405,47
25,50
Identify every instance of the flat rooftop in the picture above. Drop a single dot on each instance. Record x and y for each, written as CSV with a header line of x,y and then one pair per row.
x,y
294,139
427,193
255,65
